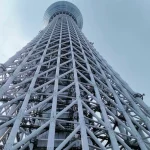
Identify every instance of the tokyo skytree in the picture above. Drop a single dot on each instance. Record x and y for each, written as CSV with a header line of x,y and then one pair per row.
x,y
58,93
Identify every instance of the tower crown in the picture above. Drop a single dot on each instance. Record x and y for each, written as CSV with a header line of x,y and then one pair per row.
x,y
63,7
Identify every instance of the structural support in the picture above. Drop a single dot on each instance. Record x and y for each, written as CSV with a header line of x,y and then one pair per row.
x,y
59,93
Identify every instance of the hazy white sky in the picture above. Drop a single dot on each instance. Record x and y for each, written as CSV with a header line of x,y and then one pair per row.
x,y
120,30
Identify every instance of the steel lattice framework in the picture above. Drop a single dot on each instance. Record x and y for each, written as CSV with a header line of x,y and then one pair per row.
x,y
59,93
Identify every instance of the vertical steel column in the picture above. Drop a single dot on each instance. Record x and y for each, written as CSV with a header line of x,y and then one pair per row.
x,y
142,145
101,104
51,135
11,78
124,85
20,115
85,145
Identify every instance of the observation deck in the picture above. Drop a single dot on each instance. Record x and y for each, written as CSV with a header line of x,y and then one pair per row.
x,y
63,7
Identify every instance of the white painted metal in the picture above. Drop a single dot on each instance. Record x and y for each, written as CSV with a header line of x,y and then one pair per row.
x,y
59,93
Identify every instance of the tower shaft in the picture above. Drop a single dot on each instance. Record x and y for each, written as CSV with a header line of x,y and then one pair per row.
x,y
59,93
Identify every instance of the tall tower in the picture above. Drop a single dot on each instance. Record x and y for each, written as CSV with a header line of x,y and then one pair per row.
x,y
59,93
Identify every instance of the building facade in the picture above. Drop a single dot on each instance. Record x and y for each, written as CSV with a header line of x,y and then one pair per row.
x,y
59,93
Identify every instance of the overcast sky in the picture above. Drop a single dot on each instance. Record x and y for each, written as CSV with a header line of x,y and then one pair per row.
x,y
120,30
